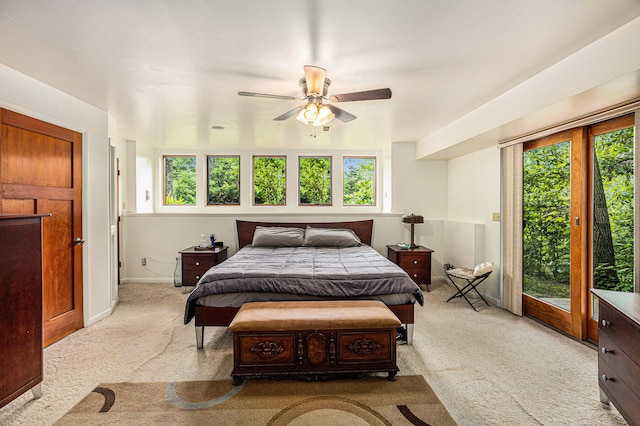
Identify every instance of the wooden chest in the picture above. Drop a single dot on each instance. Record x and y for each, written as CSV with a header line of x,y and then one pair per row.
x,y
619,352
313,339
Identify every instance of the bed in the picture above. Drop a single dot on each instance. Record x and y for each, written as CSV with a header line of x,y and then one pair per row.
x,y
274,264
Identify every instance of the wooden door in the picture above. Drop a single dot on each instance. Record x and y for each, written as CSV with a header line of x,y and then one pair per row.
x,y
41,172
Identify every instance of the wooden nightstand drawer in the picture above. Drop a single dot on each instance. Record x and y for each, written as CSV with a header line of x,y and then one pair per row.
x,y
415,261
419,276
199,262
191,277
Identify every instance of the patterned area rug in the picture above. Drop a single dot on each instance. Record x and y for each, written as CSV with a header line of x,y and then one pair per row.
x,y
368,401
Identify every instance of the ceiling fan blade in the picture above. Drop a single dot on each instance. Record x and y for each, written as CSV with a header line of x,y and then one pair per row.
x,y
315,79
288,114
367,95
264,95
341,114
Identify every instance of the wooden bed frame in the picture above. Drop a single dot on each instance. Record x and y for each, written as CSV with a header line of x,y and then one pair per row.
x,y
207,316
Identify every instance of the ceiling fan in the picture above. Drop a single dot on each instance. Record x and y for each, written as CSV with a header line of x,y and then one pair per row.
x,y
316,112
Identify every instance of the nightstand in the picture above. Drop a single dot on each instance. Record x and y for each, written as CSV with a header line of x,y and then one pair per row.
x,y
196,262
416,262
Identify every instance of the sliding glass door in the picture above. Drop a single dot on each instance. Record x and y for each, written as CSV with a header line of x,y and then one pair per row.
x,y
578,223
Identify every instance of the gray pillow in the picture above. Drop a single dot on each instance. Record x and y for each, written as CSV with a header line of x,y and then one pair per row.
x,y
330,237
277,236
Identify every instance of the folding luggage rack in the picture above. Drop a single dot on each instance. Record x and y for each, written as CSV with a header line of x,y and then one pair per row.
x,y
468,279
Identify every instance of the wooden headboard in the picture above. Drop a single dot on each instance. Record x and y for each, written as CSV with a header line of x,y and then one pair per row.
x,y
362,228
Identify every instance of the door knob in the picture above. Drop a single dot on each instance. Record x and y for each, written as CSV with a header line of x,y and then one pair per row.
x,y
79,241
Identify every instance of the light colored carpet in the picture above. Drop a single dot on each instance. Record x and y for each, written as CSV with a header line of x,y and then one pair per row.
x,y
370,400
488,367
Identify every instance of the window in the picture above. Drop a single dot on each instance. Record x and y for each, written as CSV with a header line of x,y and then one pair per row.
x,y
314,180
179,174
359,184
269,181
223,180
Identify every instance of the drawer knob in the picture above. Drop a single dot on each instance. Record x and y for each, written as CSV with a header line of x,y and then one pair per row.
x,y
198,277
605,378
605,350
605,323
415,262
197,263
415,275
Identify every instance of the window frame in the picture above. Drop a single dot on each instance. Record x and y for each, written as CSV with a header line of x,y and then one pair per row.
x,y
239,181
164,179
375,179
253,179
304,157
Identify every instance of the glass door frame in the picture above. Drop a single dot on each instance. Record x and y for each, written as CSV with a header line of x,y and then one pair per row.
x,y
578,322
594,130
570,322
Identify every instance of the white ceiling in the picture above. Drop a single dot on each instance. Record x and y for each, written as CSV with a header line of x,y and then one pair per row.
x,y
463,73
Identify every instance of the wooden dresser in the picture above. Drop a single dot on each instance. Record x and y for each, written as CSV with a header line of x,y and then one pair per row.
x,y
21,306
619,352
416,262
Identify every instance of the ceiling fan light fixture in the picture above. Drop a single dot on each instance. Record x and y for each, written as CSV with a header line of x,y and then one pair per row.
x,y
325,115
315,115
311,112
315,87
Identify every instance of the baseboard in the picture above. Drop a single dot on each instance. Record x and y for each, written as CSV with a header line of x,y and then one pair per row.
x,y
102,315
146,280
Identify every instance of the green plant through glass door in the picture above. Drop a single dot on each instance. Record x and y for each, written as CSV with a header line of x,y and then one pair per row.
x,y
546,230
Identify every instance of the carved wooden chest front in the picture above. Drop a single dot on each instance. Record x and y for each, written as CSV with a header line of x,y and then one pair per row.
x,y
314,352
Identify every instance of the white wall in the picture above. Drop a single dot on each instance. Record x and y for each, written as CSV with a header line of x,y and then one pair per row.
x,y
25,95
159,236
420,187
473,196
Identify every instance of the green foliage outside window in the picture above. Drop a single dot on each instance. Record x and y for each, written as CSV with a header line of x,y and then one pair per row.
x,y
547,221
546,214
270,181
223,176
359,184
179,180
315,180
613,218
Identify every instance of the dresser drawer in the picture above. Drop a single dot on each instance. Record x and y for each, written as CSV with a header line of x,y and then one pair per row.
x,y
622,397
619,329
617,363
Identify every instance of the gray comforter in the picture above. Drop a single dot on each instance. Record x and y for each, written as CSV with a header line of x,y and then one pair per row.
x,y
340,273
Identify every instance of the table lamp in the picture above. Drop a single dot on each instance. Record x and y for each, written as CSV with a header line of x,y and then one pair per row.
x,y
412,219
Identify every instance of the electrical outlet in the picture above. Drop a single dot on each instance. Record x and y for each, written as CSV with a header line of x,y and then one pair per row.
x,y
144,261
495,216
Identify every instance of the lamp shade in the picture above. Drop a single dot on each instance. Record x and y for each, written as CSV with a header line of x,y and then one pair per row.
x,y
412,218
